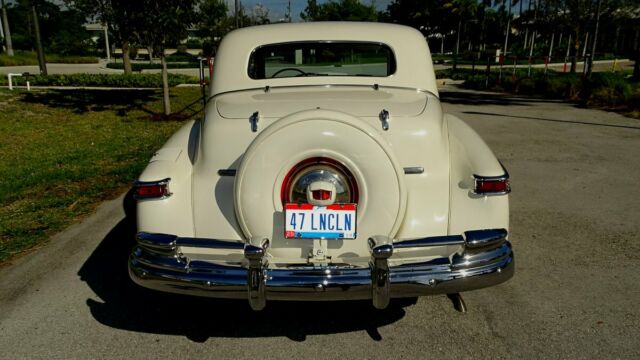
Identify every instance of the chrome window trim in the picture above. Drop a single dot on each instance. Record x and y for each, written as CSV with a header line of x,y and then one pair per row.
x,y
381,44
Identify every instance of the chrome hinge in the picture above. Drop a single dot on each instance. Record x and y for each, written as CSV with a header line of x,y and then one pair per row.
x,y
253,119
384,117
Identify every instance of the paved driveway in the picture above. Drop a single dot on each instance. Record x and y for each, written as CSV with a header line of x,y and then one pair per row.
x,y
575,222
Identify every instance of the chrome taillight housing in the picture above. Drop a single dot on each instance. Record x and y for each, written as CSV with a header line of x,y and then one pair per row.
x,y
492,185
152,189
295,184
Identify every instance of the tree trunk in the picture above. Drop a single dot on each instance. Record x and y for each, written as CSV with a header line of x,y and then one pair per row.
x,y
506,35
41,60
165,85
636,53
126,61
7,31
150,51
636,65
455,58
574,53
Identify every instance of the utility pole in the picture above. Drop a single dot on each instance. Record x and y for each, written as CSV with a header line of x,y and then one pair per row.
x,y
41,60
288,17
5,28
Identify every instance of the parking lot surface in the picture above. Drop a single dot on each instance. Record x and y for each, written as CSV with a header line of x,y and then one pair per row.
x,y
575,225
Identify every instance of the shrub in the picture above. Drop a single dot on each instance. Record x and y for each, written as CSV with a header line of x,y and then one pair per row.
x,y
105,80
22,58
148,66
526,86
607,89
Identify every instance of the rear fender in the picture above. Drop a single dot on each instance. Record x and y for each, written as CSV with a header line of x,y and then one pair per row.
x,y
174,161
469,156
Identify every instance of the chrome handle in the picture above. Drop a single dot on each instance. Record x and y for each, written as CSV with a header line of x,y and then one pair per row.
x,y
253,119
384,117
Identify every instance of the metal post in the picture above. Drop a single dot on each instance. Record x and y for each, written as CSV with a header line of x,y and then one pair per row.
x,y
106,40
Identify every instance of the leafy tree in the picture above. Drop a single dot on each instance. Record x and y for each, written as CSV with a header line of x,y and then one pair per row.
x,y
122,16
426,16
260,15
464,10
165,22
339,10
214,23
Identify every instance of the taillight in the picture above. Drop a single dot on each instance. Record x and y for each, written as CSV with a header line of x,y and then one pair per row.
x,y
152,189
295,183
485,185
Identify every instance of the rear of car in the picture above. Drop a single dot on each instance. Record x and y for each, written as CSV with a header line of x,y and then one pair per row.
x,y
324,170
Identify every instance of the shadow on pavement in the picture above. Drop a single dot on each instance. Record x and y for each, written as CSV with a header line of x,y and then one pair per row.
x,y
463,97
550,120
130,307
82,100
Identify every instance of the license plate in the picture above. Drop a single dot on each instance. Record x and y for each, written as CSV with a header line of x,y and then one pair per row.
x,y
306,221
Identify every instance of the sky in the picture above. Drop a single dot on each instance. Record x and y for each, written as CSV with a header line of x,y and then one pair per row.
x,y
277,8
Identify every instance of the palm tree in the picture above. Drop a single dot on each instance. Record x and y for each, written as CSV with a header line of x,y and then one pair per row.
x,y
463,9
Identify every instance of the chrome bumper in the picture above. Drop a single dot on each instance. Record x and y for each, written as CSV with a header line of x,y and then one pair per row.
x,y
487,260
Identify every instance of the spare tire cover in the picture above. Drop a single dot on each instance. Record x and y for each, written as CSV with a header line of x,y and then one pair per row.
x,y
319,133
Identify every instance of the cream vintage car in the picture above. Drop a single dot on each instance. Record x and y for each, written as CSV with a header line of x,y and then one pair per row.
x,y
324,169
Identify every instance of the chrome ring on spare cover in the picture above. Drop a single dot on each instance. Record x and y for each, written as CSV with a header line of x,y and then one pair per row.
x,y
319,169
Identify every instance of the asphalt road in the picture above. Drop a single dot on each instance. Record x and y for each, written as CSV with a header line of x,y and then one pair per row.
x,y
575,214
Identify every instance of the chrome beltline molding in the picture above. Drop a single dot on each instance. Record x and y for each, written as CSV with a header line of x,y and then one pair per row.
x,y
374,87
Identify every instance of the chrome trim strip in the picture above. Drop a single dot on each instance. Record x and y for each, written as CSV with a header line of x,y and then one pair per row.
x,y
430,241
209,243
227,172
164,181
413,170
271,88
167,242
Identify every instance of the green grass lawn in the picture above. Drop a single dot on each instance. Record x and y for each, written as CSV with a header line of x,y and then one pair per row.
x,y
63,152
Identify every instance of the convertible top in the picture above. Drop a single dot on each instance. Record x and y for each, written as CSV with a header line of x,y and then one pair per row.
x,y
414,65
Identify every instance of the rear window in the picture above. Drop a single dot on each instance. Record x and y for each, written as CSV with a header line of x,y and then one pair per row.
x,y
326,58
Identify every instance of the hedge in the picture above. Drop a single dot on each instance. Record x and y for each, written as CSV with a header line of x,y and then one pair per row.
x,y
104,80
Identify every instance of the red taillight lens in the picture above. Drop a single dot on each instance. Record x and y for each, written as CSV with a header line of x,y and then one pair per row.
x,y
321,194
492,186
152,190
